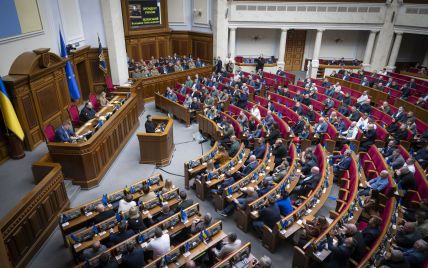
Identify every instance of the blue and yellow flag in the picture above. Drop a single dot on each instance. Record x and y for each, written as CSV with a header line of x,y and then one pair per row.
x,y
9,116
101,60
69,73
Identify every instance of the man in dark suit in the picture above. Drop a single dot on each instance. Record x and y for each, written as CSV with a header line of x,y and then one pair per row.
x,y
134,258
311,114
103,214
149,125
166,212
298,109
416,255
184,203
279,152
354,114
87,113
299,126
269,216
407,235
321,127
340,254
252,163
358,240
368,139
389,149
64,132
365,107
308,183
122,235
218,65
406,179
259,152
234,146
400,115
372,231
343,164
406,91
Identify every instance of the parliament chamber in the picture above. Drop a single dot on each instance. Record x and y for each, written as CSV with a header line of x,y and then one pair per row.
x,y
214,133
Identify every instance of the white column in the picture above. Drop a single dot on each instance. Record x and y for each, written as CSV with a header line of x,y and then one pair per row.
x,y
394,52
220,28
282,44
232,43
115,37
316,54
369,50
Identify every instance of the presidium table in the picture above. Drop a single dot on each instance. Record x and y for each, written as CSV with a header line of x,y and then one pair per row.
x,y
156,148
87,160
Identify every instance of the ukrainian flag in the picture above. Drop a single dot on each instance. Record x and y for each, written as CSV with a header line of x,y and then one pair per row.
x,y
9,115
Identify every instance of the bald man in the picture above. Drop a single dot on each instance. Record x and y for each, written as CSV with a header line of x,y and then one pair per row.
x,y
377,184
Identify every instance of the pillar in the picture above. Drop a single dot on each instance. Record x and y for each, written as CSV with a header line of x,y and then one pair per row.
x,y
220,29
282,44
394,52
232,43
369,50
385,37
115,37
316,54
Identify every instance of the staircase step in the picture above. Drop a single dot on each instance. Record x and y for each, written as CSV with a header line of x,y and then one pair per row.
x,y
72,190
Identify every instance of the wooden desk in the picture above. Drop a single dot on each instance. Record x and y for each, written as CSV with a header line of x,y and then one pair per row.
x,y
156,148
168,106
85,163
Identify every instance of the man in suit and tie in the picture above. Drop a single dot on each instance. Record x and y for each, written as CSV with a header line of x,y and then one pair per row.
x,y
103,214
308,183
343,164
321,127
400,115
251,165
299,126
340,254
389,149
354,115
149,125
64,132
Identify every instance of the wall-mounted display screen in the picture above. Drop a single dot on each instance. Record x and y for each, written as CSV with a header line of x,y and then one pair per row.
x,y
144,13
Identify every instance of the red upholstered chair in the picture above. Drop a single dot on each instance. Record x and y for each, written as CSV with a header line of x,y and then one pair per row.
x,y
49,132
73,112
94,101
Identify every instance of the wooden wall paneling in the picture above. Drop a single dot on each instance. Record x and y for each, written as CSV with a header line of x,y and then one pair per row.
x,y
82,70
97,76
148,48
294,50
24,229
133,48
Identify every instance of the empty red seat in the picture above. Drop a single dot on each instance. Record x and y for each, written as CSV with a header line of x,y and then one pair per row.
x,y
49,132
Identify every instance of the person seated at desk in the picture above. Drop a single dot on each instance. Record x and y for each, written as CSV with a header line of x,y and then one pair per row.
x,y
184,203
166,212
198,225
134,257
372,231
264,262
265,187
102,99
122,235
343,165
96,249
160,244
394,259
150,125
170,94
106,262
241,202
307,184
279,151
103,214
310,229
147,194
229,245
284,203
126,204
135,221
269,216
64,133
234,146
87,113
279,172
377,184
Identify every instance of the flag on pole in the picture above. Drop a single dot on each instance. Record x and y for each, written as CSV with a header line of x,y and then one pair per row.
x,y
101,60
69,73
9,116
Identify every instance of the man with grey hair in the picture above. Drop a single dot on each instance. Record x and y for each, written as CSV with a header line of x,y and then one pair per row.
x,y
264,262
241,202
377,184
395,258
198,226
416,255
308,183
96,249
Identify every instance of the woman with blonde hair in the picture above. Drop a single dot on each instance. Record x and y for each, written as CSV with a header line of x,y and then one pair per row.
x,y
103,99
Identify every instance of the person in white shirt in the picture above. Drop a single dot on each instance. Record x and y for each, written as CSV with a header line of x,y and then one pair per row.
x,y
410,163
256,112
362,98
351,132
363,122
160,244
126,204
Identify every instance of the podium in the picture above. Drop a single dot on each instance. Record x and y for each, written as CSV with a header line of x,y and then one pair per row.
x,y
156,148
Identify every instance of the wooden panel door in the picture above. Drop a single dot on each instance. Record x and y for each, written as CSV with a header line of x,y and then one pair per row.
x,y
294,50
